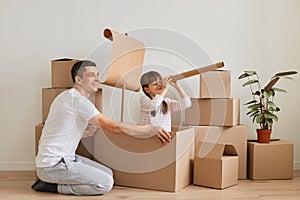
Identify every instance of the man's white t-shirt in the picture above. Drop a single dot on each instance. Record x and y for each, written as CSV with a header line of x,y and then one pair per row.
x,y
67,119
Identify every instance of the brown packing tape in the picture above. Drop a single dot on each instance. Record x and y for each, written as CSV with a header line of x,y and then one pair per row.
x,y
126,61
197,71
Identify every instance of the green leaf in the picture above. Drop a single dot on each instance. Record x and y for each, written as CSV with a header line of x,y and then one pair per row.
x,y
271,84
247,74
254,106
274,110
266,94
256,93
290,78
250,73
271,116
253,114
251,102
250,82
269,122
287,73
260,118
252,111
279,90
272,105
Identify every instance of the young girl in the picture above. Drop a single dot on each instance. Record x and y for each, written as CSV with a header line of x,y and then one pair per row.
x,y
155,108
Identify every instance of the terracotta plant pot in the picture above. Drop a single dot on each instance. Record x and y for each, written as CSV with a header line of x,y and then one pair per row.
x,y
263,135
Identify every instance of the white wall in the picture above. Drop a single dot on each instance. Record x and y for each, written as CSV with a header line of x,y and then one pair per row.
x,y
245,34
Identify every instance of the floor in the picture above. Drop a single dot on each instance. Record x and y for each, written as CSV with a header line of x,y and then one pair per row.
x,y
16,185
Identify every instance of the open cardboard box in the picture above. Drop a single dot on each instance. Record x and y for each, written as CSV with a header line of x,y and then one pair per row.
x,y
145,163
213,112
236,136
215,84
215,165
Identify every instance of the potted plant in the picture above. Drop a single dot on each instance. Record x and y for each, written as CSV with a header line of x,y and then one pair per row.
x,y
262,108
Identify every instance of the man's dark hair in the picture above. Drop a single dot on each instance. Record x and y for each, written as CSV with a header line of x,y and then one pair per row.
x,y
79,67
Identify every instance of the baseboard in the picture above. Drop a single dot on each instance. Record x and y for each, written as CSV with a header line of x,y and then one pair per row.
x,y
296,165
17,166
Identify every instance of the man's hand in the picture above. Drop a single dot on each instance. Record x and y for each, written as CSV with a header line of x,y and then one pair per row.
x,y
163,136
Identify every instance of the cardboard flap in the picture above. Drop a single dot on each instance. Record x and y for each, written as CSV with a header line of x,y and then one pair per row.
x,y
230,150
214,150
126,61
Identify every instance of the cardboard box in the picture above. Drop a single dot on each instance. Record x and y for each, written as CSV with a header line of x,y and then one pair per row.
x,y
49,94
85,146
213,112
61,73
236,136
215,84
145,163
270,161
215,165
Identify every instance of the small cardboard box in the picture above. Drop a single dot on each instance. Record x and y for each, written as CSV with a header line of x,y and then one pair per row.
x,y
85,146
145,163
236,136
61,72
49,94
270,161
215,165
215,84
213,112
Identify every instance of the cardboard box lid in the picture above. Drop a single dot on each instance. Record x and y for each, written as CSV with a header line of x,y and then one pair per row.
x,y
214,150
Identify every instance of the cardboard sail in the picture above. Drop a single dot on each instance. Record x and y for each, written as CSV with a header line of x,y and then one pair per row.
x,y
126,61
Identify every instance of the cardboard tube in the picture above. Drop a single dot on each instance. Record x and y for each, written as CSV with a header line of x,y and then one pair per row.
x,y
197,71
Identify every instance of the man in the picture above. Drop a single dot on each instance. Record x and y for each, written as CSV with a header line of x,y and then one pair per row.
x,y
58,168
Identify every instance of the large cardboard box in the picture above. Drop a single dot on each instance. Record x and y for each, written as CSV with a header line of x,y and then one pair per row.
x,y
85,147
236,136
215,84
270,161
213,112
145,163
49,94
215,165
61,72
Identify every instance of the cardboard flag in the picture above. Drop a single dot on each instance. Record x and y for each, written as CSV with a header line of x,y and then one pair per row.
x,y
126,61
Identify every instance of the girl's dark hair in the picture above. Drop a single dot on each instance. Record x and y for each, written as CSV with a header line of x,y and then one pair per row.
x,y
79,67
145,80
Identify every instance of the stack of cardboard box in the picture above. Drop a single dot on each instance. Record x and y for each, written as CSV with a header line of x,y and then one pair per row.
x,y
61,80
216,119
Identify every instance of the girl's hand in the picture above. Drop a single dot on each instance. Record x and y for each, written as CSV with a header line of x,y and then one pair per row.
x,y
174,84
165,81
